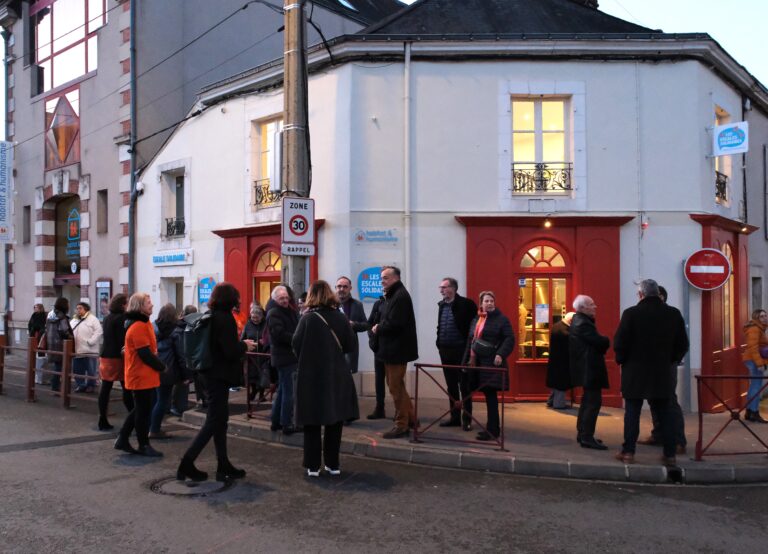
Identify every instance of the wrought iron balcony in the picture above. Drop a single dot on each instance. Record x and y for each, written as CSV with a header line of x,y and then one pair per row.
x,y
721,187
174,226
541,178
262,195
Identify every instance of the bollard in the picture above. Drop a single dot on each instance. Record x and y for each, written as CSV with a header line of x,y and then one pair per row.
x,y
31,359
2,361
66,372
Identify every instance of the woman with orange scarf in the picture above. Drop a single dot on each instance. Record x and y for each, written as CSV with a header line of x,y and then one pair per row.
x,y
490,343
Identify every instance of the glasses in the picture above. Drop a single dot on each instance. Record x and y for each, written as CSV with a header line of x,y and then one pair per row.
x,y
441,287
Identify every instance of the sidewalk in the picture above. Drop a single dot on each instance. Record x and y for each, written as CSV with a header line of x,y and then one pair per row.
x,y
539,442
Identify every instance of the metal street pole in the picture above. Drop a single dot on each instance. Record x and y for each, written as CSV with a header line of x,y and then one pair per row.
x,y
295,152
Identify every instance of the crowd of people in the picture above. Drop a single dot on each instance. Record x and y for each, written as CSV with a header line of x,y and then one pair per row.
x,y
309,351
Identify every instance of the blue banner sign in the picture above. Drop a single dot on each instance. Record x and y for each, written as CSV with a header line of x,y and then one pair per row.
x,y
204,290
369,283
731,139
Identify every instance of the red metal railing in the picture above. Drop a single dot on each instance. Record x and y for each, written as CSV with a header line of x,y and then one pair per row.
x,y
418,432
702,381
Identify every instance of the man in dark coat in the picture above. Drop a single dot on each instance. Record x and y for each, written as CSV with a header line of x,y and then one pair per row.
x,y
355,313
454,314
397,345
651,338
282,320
558,364
587,350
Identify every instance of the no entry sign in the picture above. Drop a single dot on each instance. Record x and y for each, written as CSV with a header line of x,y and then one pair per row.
x,y
707,269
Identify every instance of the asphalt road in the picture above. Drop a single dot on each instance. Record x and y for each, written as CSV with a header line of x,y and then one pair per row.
x,y
64,489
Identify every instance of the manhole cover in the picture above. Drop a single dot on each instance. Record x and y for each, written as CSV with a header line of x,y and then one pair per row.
x,y
171,486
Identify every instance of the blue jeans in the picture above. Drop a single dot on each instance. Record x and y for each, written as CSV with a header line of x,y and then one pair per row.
x,y
282,406
162,403
754,386
80,366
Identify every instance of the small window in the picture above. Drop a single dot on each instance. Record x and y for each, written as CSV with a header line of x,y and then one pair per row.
x,y
268,261
174,187
266,163
542,256
728,296
26,228
722,163
102,217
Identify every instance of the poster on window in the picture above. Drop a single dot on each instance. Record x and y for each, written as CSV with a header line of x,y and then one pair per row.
x,y
103,294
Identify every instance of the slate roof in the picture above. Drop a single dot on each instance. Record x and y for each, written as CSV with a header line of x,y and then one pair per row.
x,y
364,11
505,17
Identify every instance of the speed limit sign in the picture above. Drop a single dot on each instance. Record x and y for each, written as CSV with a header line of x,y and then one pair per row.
x,y
298,221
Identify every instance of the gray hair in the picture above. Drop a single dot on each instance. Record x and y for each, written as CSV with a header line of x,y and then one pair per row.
x,y
256,308
648,287
580,302
277,290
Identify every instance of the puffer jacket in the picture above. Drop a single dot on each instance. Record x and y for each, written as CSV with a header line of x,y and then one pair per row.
x,y
754,335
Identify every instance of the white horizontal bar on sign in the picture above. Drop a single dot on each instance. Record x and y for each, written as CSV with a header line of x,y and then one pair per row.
x,y
707,269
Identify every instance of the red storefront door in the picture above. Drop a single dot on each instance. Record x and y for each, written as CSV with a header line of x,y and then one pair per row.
x,y
519,258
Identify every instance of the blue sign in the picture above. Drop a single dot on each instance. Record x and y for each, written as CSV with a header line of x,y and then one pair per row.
x,y
369,283
6,193
731,139
204,290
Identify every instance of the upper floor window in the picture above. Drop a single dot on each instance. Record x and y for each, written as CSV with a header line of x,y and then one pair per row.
x,y
728,299
266,163
173,202
722,163
65,39
541,145
62,129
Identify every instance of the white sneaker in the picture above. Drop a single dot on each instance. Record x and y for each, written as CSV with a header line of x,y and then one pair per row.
x,y
333,471
311,473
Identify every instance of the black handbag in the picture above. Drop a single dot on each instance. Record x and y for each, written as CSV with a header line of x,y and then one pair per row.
x,y
483,348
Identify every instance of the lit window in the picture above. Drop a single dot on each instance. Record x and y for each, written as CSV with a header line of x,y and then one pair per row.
x,y
62,129
268,262
266,185
65,39
722,163
728,296
542,256
540,146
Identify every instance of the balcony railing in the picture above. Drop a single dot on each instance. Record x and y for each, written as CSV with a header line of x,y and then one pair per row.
x,y
174,226
262,195
721,187
541,178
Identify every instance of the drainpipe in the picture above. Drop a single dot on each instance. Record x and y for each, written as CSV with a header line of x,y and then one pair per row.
x,y
6,247
134,193
407,163
744,100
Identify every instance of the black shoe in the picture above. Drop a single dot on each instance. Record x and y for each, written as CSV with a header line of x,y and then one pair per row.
x,y
148,451
466,426
485,436
228,472
592,443
124,445
104,424
755,417
275,427
187,470
450,423
377,413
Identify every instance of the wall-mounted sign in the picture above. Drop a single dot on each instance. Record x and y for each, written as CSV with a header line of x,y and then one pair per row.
x,y
289,249
204,289
68,236
298,226
707,269
378,237
732,138
163,258
369,283
103,294
521,282
6,174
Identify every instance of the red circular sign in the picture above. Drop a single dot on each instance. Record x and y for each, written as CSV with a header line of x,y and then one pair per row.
x,y
707,269
298,225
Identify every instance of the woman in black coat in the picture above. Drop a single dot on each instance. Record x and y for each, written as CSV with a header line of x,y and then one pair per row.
x,y
558,366
227,353
490,343
258,366
111,358
325,391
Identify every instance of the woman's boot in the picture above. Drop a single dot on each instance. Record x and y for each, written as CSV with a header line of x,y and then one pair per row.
x,y
187,470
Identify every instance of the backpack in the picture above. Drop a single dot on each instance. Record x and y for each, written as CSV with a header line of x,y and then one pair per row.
x,y
197,341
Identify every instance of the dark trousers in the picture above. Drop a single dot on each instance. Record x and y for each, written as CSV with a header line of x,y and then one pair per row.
x,y
56,379
329,446
591,402
632,409
678,421
162,404
380,381
492,407
139,417
104,393
457,383
217,395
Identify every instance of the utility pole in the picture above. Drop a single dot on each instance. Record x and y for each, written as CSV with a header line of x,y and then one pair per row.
x,y
295,151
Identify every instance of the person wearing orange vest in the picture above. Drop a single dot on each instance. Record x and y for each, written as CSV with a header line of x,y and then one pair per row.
x,y
142,374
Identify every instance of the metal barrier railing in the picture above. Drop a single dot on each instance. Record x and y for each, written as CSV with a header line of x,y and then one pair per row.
x,y
734,415
418,432
250,407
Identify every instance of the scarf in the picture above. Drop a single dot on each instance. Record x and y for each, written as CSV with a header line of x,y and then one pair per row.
x,y
482,317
